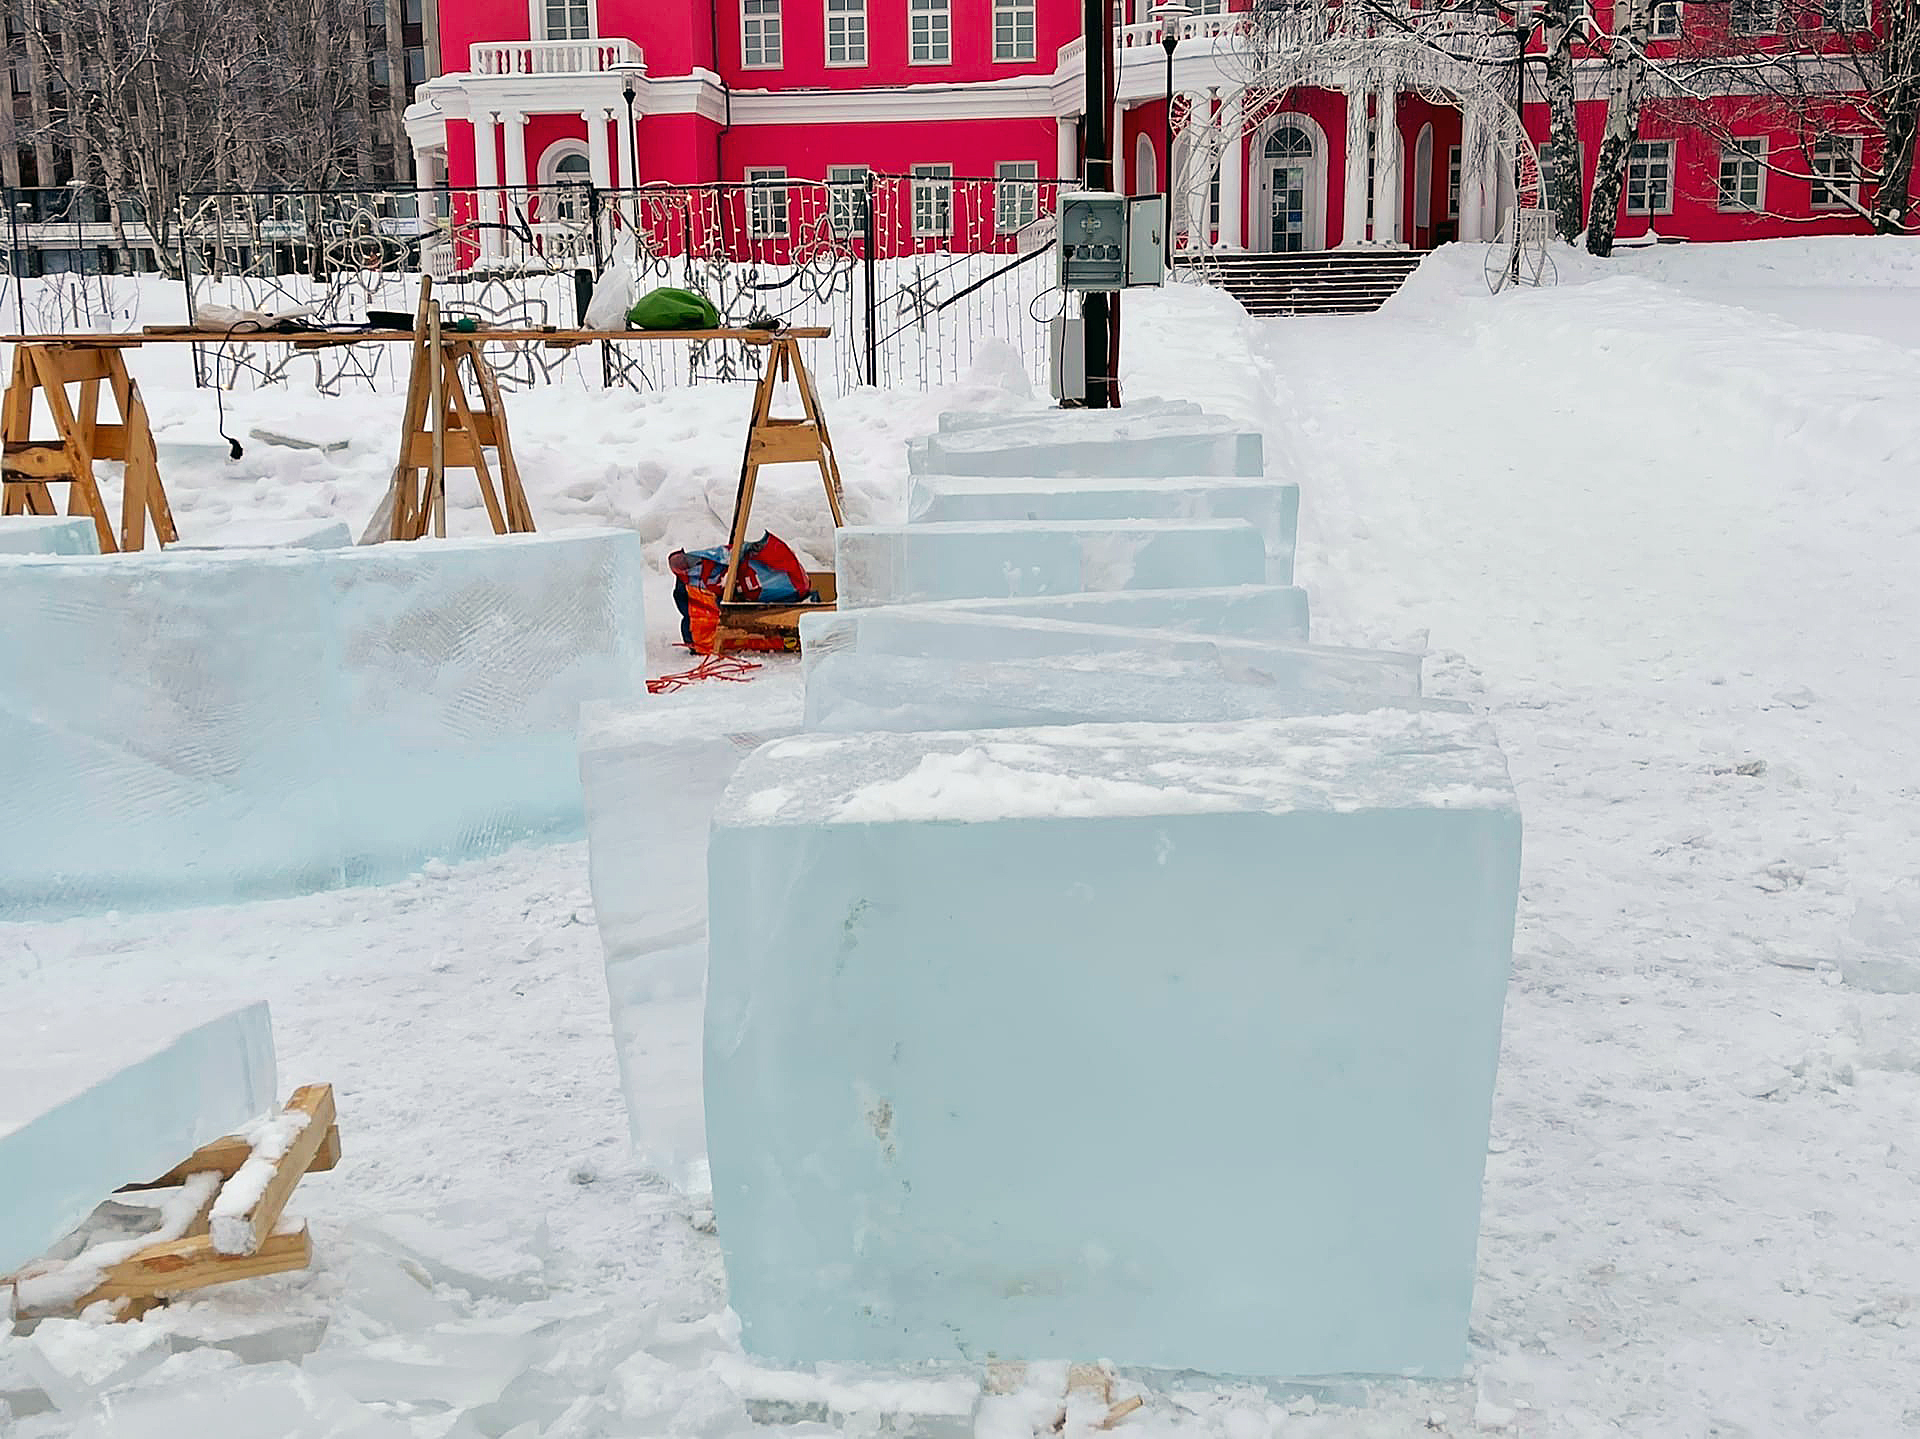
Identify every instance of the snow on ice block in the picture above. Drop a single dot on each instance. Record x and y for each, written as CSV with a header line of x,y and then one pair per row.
x,y
942,632
652,771
991,1018
208,727
48,535
89,1106
905,564
277,535
1116,447
851,692
1270,506
1262,612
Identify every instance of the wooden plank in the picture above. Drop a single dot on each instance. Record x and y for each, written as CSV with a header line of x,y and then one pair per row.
x,y
225,1156
248,1232
54,367
27,497
519,513
328,339
192,1263
38,459
785,442
463,412
460,449
76,366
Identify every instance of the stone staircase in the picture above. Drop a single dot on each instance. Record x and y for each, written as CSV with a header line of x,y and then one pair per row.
x,y
1314,282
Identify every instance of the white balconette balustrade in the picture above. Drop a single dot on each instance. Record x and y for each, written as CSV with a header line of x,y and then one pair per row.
x,y
553,57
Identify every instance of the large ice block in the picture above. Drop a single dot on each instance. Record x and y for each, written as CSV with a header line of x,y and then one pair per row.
x,y
182,727
905,564
1169,1045
1253,612
48,535
1062,422
1115,447
943,632
91,1104
652,771
1270,506
312,534
849,692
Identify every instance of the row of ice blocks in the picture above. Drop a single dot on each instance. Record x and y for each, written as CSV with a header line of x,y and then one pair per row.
x,y
1167,1044
179,727
48,535
1271,506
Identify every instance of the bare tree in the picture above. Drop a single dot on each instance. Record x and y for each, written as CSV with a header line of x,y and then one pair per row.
x,y
1565,22
1628,79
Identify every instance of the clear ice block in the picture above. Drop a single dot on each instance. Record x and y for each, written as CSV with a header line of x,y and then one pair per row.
x,y
1068,423
1270,506
946,632
205,727
89,1105
276,535
652,771
849,692
1169,1045
1115,447
48,535
907,564
1248,612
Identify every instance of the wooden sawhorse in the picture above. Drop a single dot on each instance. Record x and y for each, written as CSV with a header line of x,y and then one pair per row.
x,y
29,466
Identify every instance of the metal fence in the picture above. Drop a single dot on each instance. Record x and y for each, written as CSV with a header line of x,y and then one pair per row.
x,y
915,274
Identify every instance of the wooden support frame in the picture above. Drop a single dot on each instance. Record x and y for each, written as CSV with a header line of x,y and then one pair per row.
x,y
776,441
443,427
29,467
216,1248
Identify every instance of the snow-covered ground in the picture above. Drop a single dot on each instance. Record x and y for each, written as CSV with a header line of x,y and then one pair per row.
x,y
1666,510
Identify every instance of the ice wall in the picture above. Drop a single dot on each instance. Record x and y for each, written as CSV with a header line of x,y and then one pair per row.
x,y
48,535
904,564
652,770
1270,506
74,1127
992,1017
182,727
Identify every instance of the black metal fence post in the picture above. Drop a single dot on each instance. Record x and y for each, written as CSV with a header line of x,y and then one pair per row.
x,y
871,273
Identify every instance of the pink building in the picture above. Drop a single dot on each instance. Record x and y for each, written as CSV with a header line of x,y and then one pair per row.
x,y
539,93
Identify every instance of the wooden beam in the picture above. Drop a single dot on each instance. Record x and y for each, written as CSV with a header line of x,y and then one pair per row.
x,y
245,1233
224,1158
193,1263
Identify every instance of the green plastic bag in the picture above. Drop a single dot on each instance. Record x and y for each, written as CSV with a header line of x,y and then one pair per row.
x,y
671,309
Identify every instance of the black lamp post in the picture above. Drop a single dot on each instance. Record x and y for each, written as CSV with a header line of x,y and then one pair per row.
x,y
1169,14
632,176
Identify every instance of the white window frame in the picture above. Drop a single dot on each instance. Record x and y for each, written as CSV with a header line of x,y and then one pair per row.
x,y
1669,20
1642,154
1762,17
929,32
769,203
1580,168
1014,13
935,184
851,18
846,189
1752,150
541,29
1844,195
1017,181
760,22
1454,174
566,198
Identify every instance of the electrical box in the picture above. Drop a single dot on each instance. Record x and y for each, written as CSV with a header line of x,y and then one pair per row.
x,y
1146,240
1067,357
1093,240
1111,242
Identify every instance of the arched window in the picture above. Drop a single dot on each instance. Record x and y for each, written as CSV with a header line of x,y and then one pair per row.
x,y
565,174
1289,142
1146,168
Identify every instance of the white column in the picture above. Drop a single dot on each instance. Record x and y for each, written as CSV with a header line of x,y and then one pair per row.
x,y
598,168
1353,227
1066,157
1120,155
1386,171
1472,196
515,124
1233,185
486,173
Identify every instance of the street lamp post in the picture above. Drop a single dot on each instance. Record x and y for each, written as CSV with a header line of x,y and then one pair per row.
x,y
1170,13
